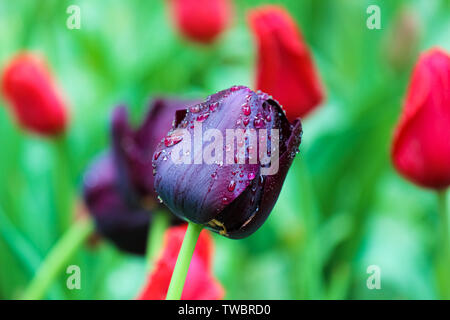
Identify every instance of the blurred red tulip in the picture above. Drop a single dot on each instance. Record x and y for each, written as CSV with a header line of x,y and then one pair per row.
x,y
200,283
34,98
285,68
201,20
421,145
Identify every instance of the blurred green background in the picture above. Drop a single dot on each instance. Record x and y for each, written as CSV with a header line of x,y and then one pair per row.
x,y
342,207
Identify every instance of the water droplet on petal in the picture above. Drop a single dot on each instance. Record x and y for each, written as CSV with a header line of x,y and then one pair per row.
x,y
213,106
156,155
231,186
173,139
203,117
258,123
195,109
246,109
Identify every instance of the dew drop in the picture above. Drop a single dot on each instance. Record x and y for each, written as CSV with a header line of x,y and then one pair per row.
x,y
203,117
172,140
213,106
246,109
231,186
258,123
195,109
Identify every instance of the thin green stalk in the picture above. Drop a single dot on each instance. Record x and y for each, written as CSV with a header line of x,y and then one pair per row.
x,y
63,184
183,261
444,245
157,227
58,258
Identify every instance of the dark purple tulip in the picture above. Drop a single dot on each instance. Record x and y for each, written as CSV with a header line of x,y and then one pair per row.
x,y
133,148
118,186
117,218
233,198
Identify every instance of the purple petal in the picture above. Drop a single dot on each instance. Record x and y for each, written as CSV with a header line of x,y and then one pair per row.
x,y
117,219
133,148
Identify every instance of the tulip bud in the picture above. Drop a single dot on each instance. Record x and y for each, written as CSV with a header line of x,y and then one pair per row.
x,y
200,283
34,98
118,187
229,188
421,145
285,68
201,20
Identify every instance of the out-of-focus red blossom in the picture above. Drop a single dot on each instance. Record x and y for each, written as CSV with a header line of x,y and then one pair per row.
x,y
421,145
285,68
201,20
35,101
200,283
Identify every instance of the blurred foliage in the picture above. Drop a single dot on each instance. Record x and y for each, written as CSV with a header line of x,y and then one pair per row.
x,y
342,207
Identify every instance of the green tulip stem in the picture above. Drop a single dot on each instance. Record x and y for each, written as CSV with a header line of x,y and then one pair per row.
x,y
155,238
183,261
444,243
58,258
63,183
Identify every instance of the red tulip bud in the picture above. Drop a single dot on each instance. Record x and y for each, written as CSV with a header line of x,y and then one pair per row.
x,y
33,96
421,146
201,20
285,68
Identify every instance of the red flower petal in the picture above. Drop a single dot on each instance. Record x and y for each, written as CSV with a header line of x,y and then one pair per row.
x,y
201,20
200,283
34,99
421,145
285,68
